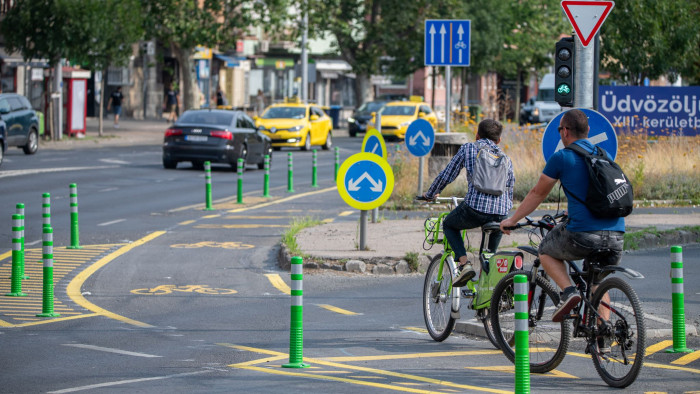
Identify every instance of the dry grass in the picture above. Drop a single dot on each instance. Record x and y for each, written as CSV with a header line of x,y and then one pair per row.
x,y
660,167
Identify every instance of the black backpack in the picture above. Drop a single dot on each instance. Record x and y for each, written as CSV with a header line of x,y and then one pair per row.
x,y
609,191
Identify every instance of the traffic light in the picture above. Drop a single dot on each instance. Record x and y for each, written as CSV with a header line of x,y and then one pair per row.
x,y
564,72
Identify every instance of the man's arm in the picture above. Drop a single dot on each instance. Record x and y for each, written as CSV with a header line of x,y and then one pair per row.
x,y
533,199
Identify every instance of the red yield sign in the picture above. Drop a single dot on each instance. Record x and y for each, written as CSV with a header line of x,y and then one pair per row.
x,y
587,16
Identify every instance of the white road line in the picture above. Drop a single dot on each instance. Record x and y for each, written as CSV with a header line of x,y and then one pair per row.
x,y
109,349
112,222
109,189
118,382
5,174
115,161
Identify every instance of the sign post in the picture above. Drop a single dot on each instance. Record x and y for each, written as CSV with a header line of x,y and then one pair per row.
x,y
586,17
420,139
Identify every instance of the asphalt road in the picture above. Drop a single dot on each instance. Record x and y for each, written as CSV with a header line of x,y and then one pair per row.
x,y
167,297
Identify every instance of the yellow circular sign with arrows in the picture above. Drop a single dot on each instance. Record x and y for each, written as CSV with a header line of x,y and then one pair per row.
x,y
365,181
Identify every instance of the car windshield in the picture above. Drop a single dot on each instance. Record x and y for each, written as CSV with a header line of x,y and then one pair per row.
x,y
403,110
371,106
206,118
545,95
285,113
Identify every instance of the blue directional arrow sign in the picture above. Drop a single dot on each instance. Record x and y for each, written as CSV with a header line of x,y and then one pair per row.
x,y
365,181
420,137
447,42
601,133
374,143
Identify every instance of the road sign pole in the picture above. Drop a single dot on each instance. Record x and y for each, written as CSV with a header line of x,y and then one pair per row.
x,y
583,77
448,98
420,175
363,229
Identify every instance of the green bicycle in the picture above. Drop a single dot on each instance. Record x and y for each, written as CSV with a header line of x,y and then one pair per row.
x,y
441,301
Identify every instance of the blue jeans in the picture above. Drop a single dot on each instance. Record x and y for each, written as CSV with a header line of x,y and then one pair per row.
x,y
465,217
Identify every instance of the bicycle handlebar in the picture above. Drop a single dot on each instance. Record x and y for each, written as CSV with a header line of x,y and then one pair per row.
x,y
547,222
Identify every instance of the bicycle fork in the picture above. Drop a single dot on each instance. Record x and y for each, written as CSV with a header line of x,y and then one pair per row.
x,y
454,313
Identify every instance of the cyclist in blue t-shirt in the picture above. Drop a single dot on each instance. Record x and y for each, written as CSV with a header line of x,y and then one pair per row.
x,y
582,234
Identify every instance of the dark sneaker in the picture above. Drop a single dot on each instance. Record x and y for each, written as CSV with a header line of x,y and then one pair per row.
x,y
568,300
604,345
465,275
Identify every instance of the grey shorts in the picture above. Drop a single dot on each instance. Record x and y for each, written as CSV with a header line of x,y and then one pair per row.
x,y
605,246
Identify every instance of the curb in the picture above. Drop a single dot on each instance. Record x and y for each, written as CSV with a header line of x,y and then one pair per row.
x,y
474,327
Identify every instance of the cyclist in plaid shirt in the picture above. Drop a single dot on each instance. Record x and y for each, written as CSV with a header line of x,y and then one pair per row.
x,y
477,208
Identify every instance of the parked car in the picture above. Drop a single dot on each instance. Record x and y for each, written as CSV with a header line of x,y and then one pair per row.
x,y
357,123
215,135
296,125
19,124
398,115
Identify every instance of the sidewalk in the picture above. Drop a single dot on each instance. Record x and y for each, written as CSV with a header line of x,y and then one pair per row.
x,y
130,132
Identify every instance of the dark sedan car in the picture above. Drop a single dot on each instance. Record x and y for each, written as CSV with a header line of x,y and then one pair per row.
x,y
357,123
19,124
218,136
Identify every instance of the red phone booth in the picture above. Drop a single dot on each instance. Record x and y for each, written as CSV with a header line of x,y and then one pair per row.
x,y
75,100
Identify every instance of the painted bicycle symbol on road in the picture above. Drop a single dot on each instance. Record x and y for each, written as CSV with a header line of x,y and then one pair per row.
x,y
169,289
213,244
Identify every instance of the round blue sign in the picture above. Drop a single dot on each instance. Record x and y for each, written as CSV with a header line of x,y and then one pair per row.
x,y
365,181
601,133
420,137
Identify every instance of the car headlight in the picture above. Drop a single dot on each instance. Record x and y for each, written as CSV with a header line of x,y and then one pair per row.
x,y
351,120
296,128
404,124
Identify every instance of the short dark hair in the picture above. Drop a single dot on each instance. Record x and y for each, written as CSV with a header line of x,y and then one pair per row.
x,y
576,121
491,129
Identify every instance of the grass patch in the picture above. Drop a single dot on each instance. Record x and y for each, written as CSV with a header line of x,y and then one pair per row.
x,y
289,237
412,260
634,239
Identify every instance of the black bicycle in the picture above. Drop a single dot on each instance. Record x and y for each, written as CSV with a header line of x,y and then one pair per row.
x,y
609,316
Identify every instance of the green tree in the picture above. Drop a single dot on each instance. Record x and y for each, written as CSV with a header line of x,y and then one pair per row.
x,y
647,39
185,24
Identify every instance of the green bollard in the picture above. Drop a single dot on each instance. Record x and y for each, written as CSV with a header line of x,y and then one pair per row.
x,y
296,328
16,278
314,175
46,210
47,254
207,191
20,212
678,301
239,194
522,351
266,179
290,174
337,164
74,233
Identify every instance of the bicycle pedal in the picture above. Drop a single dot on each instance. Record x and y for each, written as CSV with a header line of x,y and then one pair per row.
x,y
468,294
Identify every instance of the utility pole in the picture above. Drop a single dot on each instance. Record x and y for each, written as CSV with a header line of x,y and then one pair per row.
x,y
305,58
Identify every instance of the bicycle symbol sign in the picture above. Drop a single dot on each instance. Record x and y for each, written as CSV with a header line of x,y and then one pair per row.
x,y
211,244
168,289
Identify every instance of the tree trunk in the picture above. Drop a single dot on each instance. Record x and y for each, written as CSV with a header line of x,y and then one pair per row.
x,y
363,91
100,118
188,78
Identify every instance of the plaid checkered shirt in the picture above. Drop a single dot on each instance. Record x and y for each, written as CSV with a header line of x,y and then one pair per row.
x,y
482,202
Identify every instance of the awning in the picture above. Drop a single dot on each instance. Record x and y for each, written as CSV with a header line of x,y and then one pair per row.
x,y
228,60
15,59
333,65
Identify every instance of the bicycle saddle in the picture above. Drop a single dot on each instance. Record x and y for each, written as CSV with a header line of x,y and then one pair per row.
x,y
491,226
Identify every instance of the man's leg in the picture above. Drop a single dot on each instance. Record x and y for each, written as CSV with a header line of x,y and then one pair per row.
x,y
556,270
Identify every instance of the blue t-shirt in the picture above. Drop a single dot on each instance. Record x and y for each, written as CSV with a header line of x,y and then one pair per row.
x,y
569,167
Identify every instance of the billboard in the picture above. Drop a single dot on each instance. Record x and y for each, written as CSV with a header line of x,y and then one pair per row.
x,y
652,110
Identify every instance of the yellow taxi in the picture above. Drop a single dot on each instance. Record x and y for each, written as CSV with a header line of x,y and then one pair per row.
x,y
296,124
398,115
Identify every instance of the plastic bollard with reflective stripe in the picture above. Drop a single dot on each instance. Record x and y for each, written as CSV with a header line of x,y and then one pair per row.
x,y
16,276
266,179
522,346
20,212
74,233
239,189
314,173
290,174
47,255
207,190
337,164
678,301
296,328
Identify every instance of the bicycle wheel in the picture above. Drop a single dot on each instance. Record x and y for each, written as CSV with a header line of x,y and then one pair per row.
x,y
437,301
484,316
548,341
626,335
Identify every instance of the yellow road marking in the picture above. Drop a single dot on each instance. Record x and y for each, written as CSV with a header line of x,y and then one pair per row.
x,y
279,284
267,204
255,217
329,220
240,225
416,329
658,346
338,310
346,213
688,358
646,364
186,222
211,216
75,285
511,369
5,324
5,255
57,319
415,355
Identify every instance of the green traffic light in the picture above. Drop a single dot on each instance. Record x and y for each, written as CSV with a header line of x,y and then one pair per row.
x,y
563,89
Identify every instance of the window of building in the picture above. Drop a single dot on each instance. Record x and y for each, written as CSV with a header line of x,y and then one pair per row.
x,y
118,76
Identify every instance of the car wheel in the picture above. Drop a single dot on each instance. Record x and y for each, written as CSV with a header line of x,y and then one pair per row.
x,y
276,148
243,155
261,165
329,141
169,164
353,133
32,143
307,142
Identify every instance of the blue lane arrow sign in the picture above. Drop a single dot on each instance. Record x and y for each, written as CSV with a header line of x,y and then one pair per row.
x,y
420,137
374,143
447,42
602,134
365,181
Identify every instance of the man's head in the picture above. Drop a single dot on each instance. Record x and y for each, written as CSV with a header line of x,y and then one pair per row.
x,y
575,122
491,129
